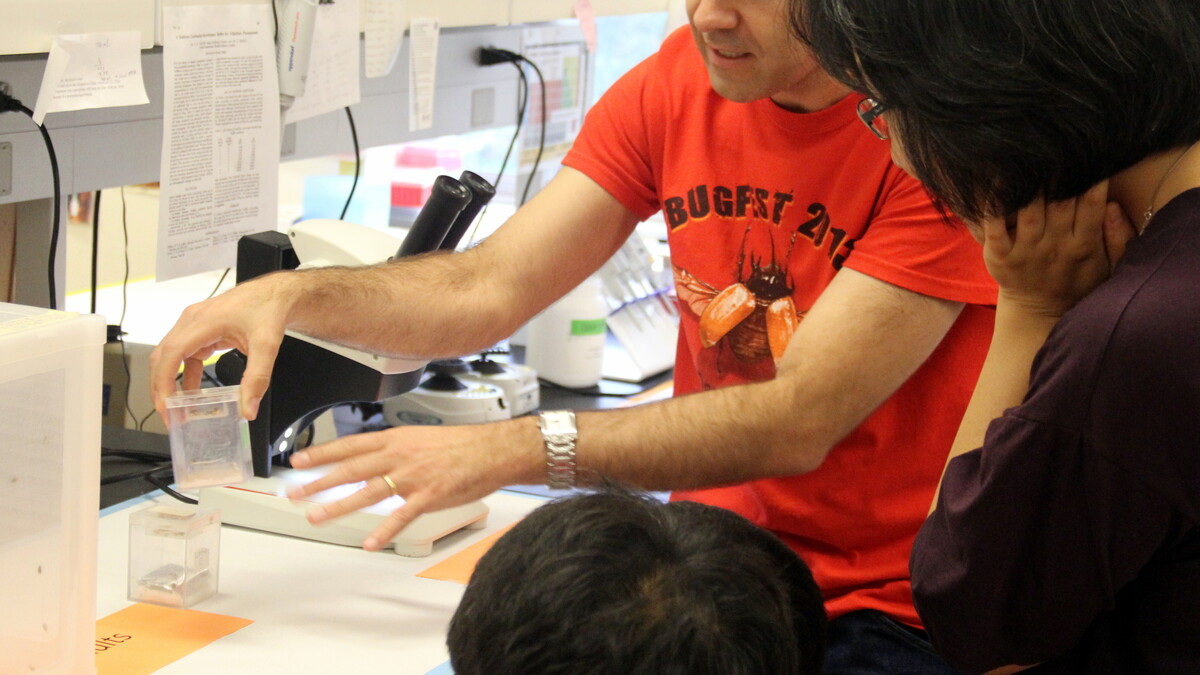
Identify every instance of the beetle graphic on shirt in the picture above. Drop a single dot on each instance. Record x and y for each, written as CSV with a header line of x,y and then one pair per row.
x,y
752,319
755,315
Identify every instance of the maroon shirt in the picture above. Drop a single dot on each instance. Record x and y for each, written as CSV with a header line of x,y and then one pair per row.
x,y
1071,539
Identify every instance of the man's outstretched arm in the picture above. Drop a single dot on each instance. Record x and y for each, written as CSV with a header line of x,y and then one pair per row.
x,y
857,345
432,306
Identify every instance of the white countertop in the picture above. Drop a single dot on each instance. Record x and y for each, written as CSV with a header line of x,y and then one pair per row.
x,y
316,607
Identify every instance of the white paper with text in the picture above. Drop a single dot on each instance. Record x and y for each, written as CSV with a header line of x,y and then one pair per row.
x,y
220,164
422,59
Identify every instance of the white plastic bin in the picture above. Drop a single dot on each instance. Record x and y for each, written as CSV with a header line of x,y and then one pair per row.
x,y
50,405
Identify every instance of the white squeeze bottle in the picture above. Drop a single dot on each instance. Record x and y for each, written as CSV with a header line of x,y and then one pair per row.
x,y
565,343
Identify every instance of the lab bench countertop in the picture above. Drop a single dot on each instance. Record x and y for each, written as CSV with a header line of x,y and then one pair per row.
x,y
317,608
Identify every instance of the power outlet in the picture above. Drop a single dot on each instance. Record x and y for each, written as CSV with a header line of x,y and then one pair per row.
x,y
287,144
5,169
483,107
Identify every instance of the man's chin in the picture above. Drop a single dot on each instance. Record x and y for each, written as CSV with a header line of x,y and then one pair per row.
x,y
737,92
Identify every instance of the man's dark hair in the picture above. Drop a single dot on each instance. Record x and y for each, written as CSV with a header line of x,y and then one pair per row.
x,y
617,582
998,101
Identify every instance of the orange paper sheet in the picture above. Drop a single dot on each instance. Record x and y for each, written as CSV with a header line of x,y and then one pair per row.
x,y
458,567
143,638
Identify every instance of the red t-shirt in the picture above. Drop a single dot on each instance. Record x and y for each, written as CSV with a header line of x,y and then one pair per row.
x,y
748,186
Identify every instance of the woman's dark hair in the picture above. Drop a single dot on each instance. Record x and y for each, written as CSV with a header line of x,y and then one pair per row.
x,y
618,582
998,101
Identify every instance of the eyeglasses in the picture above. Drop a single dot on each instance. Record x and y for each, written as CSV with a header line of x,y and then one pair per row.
x,y
870,112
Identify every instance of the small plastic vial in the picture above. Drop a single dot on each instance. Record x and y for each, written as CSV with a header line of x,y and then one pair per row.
x,y
174,553
210,440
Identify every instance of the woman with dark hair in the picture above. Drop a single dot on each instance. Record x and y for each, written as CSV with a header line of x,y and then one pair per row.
x,y
1067,534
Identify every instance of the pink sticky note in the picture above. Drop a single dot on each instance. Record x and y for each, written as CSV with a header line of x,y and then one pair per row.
x,y
587,22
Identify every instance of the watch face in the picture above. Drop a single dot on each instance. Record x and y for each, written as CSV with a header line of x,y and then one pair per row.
x,y
557,422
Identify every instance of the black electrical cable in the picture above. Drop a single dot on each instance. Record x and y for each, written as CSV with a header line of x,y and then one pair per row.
x,y
522,106
542,138
219,282
95,244
125,253
357,163
121,321
594,391
53,291
124,306
142,421
163,485
140,473
158,461
8,103
492,55
134,456
207,376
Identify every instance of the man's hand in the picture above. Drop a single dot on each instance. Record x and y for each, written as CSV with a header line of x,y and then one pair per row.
x,y
431,467
1056,253
250,317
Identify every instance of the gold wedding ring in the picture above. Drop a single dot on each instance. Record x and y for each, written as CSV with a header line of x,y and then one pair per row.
x,y
391,485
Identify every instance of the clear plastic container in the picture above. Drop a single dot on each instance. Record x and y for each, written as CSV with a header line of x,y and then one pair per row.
x,y
210,440
174,554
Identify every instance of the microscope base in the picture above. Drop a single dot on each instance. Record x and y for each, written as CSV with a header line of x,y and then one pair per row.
x,y
262,504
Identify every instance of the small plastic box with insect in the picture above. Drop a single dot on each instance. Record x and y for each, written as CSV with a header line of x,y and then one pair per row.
x,y
174,551
210,440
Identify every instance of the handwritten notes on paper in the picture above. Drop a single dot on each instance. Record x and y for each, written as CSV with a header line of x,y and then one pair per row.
x,y
332,82
220,162
95,70
383,33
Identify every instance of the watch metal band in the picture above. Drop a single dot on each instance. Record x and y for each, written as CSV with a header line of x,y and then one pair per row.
x,y
559,434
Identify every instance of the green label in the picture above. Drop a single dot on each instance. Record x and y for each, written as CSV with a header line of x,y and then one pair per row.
x,y
588,326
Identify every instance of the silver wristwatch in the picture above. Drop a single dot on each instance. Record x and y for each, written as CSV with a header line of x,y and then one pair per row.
x,y
559,434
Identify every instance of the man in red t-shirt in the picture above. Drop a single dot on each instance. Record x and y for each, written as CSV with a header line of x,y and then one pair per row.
x,y
832,324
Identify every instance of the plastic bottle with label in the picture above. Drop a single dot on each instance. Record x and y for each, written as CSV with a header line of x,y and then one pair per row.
x,y
565,343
